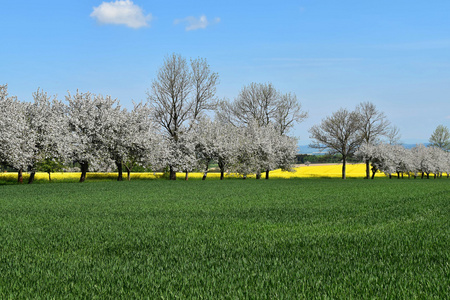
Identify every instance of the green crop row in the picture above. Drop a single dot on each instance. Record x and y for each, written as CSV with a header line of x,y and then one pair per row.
x,y
310,238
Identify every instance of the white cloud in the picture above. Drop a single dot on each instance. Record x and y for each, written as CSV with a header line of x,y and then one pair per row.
x,y
193,23
121,12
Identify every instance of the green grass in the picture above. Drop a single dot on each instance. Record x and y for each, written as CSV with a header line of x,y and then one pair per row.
x,y
226,239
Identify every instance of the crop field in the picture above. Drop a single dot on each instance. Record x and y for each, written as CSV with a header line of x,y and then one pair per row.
x,y
312,171
286,239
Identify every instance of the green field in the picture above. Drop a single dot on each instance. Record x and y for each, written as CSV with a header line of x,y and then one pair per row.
x,y
310,238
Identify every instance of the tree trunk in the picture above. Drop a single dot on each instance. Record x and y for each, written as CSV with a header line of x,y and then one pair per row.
x,y
267,174
172,174
222,168
31,178
374,171
367,169
258,175
206,171
84,167
128,172
119,170
20,176
49,176
398,175
186,176
344,162
428,175
422,176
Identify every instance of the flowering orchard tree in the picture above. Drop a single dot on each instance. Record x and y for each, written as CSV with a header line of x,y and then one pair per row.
x,y
8,111
16,141
128,136
226,137
266,115
373,126
266,142
273,150
370,152
423,160
180,95
261,149
91,122
216,141
396,159
139,138
47,125
403,159
446,164
114,135
437,156
246,159
205,136
381,157
179,154
286,149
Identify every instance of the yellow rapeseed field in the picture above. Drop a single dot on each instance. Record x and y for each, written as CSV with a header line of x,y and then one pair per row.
x,y
312,171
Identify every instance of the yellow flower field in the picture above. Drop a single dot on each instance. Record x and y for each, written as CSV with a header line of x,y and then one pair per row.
x,y
332,171
312,171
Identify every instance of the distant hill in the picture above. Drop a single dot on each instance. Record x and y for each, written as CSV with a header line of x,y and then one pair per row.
x,y
305,149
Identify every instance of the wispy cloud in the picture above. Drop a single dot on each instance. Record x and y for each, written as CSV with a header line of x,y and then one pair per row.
x,y
121,12
193,23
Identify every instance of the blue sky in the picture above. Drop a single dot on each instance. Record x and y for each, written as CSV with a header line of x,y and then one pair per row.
x,y
331,54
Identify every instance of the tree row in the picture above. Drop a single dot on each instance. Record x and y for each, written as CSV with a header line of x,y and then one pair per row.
x,y
184,127
172,131
420,160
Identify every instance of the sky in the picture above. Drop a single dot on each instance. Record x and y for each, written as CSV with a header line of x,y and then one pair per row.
x,y
331,54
